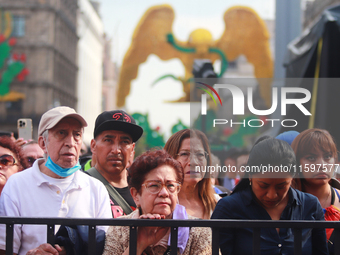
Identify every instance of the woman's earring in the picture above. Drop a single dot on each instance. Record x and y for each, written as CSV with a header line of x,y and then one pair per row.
x,y
250,183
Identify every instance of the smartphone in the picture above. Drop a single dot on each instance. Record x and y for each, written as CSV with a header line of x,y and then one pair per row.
x,y
25,128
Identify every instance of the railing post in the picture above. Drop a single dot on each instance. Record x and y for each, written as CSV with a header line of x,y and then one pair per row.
x,y
256,226
336,233
92,240
50,234
133,240
256,241
215,241
297,241
9,239
174,236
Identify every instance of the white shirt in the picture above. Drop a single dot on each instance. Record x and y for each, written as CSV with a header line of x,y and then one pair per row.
x,y
29,194
62,183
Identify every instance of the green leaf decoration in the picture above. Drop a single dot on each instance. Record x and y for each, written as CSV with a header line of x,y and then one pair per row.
x,y
7,77
5,50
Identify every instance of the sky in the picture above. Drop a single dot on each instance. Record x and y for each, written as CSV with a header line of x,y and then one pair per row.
x,y
120,19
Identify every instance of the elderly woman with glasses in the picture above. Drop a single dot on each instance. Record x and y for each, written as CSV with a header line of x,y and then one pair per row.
x,y
155,180
191,148
11,160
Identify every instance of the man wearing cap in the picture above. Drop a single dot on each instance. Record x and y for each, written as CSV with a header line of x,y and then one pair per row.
x,y
115,134
53,186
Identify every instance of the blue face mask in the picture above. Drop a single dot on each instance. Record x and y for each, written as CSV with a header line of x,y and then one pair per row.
x,y
63,172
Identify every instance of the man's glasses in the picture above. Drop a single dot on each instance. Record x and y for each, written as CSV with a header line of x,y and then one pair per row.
x,y
154,187
7,160
199,155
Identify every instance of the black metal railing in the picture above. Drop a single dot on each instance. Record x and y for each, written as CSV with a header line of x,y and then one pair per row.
x,y
215,225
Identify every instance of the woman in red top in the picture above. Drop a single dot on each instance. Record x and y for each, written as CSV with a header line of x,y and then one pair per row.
x,y
316,152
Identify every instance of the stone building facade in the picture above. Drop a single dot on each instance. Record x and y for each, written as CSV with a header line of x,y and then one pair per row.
x,y
48,37
90,64
110,78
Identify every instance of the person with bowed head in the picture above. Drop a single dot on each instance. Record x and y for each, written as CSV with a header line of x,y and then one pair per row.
x,y
269,196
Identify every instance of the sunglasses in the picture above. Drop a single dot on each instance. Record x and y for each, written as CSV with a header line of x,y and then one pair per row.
x,y
7,160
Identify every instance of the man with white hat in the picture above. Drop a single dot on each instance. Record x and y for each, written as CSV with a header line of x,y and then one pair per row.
x,y
53,186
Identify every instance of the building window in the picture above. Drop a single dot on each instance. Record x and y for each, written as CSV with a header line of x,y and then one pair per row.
x,y
18,26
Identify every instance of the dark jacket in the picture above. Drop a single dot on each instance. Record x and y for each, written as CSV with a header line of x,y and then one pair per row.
x,y
75,239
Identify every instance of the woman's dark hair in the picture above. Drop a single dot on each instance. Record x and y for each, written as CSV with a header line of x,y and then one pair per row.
x,y
7,142
147,162
268,151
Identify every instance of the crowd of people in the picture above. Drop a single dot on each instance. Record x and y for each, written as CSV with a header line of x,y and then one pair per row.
x,y
44,178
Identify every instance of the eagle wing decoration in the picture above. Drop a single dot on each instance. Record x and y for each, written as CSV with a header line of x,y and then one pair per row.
x,y
246,33
149,37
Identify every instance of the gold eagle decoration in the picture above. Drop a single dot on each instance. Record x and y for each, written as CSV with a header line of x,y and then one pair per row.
x,y
245,34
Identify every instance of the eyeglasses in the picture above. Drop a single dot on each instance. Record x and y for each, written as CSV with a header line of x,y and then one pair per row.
x,y
186,155
7,160
154,187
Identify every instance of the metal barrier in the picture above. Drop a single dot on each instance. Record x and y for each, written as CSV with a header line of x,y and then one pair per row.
x,y
215,225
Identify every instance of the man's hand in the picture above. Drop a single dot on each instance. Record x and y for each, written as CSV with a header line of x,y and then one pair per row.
x,y
47,249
